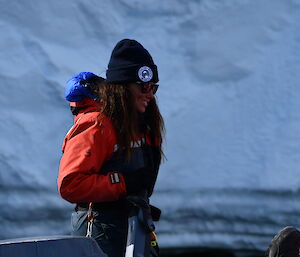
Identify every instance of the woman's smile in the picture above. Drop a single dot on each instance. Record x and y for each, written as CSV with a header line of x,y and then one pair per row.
x,y
141,100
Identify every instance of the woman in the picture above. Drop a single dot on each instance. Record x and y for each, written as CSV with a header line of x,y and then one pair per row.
x,y
114,148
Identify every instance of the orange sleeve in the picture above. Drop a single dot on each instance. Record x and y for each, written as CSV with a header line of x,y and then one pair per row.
x,y
87,146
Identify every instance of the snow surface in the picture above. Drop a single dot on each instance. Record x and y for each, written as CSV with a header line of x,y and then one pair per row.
x,y
229,73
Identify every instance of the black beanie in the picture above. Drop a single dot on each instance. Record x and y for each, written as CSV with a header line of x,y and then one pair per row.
x,y
131,62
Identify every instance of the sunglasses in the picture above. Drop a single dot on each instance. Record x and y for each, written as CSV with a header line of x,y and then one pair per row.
x,y
146,87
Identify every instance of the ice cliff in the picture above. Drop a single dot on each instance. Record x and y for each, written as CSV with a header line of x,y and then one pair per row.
x,y
229,92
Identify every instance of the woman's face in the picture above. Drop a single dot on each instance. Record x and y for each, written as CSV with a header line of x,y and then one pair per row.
x,y
141,100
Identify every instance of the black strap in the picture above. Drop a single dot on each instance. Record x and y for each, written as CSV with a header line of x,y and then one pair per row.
x,y
121,205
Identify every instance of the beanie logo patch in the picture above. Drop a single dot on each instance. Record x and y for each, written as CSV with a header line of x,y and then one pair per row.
x,y
145,74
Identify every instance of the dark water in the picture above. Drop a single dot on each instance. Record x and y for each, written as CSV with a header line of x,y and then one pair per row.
x,y
208,252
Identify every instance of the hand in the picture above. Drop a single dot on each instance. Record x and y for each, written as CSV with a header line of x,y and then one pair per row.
x,y
138,180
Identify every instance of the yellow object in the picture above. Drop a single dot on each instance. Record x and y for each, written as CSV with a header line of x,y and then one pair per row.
x,y
153,239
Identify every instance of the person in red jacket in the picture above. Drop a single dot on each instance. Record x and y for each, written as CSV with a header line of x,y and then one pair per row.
x,y
114,148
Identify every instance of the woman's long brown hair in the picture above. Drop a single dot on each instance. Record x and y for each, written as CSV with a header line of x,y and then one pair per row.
x,y
118,104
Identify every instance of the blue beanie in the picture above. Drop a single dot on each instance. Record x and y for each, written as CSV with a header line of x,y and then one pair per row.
x,y
76,90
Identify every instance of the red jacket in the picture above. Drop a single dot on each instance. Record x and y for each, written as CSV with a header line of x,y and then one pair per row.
x,y
88,144
89,162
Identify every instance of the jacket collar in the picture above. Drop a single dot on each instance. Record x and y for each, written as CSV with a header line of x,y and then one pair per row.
x,y
86,105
